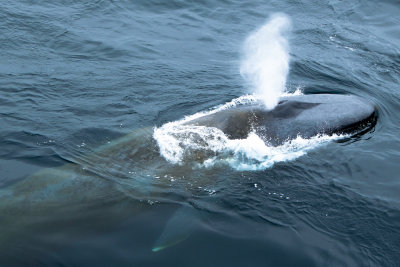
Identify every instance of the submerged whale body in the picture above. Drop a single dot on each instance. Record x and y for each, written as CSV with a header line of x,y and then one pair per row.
x,y
300,115
130,169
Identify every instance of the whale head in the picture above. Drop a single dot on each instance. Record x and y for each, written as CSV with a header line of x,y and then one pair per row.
x,y
300,115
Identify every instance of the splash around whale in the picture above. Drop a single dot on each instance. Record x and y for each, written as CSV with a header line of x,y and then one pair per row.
x,y
247,136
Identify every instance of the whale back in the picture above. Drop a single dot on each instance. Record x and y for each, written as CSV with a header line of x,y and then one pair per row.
x,y
303,115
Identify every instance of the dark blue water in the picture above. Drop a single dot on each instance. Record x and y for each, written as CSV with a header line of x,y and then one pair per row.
x,y
76,76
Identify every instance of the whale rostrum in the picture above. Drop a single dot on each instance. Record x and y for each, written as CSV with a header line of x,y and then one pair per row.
x,y
299,115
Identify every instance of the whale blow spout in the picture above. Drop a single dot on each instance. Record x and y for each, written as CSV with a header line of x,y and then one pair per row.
x,y
265,59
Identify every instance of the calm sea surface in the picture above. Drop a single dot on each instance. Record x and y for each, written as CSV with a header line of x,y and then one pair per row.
x,y
77,75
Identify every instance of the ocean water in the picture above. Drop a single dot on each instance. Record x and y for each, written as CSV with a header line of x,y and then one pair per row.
x,y
88,88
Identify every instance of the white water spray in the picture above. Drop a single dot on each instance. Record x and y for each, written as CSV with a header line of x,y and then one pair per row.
x,y
265,62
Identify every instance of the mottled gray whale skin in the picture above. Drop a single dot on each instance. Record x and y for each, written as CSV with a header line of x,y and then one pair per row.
x,y
300,115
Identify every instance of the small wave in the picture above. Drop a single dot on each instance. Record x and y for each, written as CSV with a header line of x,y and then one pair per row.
x,y
206,147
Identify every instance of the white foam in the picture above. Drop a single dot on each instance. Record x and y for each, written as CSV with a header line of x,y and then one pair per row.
x,y
179,143
298,91
242,100
253,154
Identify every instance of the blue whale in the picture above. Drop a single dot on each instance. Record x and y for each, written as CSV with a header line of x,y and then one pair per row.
x,y
299,115
90,182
